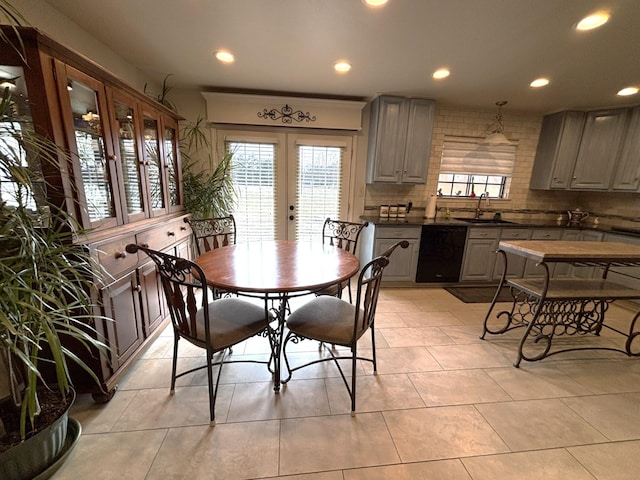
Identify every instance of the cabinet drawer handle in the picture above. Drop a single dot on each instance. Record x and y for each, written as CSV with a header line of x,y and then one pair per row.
x,y
182,228
144,245
171,234
138,288
121,254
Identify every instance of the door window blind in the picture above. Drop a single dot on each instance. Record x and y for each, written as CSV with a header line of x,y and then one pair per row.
x,y
254,178
318,188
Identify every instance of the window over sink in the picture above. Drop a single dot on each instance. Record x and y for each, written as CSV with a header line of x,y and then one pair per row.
x,y
469,168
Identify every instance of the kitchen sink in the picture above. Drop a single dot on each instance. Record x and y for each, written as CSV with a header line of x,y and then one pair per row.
x,y
485,221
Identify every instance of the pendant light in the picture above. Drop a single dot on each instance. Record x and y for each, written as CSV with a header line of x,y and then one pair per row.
x,y
495,135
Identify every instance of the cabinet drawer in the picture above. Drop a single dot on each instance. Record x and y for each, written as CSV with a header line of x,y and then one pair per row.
x,y
515,234
160,237
484,233
400,233
547,234
113,256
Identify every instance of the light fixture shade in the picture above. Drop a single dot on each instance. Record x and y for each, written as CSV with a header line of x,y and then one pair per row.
x,y
495,135
496,138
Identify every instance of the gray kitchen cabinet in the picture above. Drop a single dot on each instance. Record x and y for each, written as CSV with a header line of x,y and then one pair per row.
x,y
557,150
531,269
586,271
515,263
627,174
480,254
599,149
399,145
375,239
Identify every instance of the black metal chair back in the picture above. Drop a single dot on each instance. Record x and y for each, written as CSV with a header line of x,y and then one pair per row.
x,y
210,233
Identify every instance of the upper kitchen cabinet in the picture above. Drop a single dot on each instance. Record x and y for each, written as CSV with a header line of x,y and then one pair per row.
x,y
627,175
557,150
594,150
599,149
400,132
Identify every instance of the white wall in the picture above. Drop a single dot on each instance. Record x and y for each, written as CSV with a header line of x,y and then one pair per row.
x,y
48,20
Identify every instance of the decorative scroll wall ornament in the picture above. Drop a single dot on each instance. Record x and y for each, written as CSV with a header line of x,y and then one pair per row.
x,y
287,115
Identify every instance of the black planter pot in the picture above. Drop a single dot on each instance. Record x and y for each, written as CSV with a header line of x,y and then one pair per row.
x,y
35,457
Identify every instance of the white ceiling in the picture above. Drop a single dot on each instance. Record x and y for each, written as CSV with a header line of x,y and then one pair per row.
x,y
494,48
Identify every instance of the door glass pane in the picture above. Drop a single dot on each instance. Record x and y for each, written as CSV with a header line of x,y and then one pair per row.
x,y
16,127
318,184
88,130
254,179
152,158
129,157
172,166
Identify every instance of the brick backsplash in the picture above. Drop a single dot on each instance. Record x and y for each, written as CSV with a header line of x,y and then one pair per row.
x,y
522,202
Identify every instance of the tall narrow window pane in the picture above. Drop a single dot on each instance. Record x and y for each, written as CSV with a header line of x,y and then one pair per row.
x,y
129,157
254,179
91,151
318,188
152,157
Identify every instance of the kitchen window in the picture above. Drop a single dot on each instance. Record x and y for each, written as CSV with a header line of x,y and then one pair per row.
x,y
469,168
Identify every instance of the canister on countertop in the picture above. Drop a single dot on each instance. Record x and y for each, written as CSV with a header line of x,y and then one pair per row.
x,y
402,210
393,211
384,211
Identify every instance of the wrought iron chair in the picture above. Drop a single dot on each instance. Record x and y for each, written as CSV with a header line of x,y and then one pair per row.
x,y
210,233
331,320
215,325
343,235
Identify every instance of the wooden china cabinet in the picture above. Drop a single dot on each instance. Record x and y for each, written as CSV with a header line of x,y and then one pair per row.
x,y
123,185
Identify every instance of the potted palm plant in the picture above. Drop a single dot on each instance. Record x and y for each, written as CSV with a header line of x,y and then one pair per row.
x,y
46,294
207,192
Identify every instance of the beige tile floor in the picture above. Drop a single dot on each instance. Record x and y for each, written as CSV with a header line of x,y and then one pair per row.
x,y
444,405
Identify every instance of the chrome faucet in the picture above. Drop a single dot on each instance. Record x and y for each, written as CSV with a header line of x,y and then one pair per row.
x,y
478,211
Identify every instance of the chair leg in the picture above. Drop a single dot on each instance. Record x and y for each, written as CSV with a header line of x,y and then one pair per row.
x,y
353,379
212,395
373,350
174,364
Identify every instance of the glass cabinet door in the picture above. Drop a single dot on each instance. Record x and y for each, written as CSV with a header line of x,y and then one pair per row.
x,y
174,177
125,115
153,163
94,162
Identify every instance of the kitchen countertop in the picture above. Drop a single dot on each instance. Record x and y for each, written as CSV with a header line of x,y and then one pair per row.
x,y
419,221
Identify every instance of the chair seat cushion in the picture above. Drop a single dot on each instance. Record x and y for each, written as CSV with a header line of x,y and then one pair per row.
x,y
327,319
232,320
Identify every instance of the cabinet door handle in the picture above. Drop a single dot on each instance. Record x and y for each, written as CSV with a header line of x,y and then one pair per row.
x,y
171,234
138,288
145,245
121,254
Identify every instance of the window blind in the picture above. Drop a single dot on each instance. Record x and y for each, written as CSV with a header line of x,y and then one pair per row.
x,y
318,187
466,156
254,178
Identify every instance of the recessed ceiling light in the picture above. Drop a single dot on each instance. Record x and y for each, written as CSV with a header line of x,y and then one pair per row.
x,y
441,73
593,21
342,67
628,91
374,3
539,82
225,56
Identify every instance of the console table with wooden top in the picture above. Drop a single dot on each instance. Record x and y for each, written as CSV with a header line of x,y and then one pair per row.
x,y
547,307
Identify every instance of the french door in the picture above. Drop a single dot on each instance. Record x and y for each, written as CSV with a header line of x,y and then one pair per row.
x,y
288,184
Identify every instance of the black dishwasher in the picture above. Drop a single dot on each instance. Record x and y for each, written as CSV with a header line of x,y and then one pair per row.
x,y
441,251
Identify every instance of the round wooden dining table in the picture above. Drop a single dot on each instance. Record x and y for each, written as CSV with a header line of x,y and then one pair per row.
x,y
277,270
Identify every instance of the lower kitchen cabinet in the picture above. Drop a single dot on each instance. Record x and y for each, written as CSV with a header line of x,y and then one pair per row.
x,y
480,254
152,298
375,239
